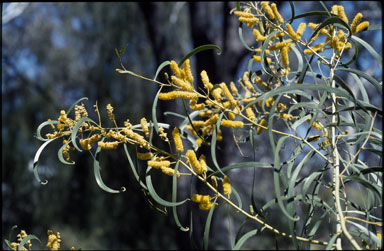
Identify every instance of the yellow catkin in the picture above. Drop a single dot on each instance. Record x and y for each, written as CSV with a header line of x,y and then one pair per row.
x,y
363,26
228,94
315,124
204,77
177,140
258,59
144,127
263,122
356,20
300,31
276,13
108,145
177,94
188,72
232,124
286,116
284,56
196,107
212,120
250,21
233,88
158,164
185,85
318,47
335,9
270,102
250,114
267,9
203,163
199,141
197,198
258,36
170,171
214,181
54,240
341,14
111,116
191,157
144,156
279,45
290,31
281,107
176,70
137,137
216,93
248,100
87,143
246,81
227,186
313,26
243,14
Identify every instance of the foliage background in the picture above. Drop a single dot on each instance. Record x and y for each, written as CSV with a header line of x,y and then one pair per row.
x,y
55,53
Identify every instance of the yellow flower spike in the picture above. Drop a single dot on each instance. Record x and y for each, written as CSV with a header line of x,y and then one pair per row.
x,y
188,72
248,100
163,134
227,186
250,21
212,120
258,59
286,116
144,156
341,13
335,9
315,124
53,241
363,26
197,198
216,93
246,81
276,13
137,137
263,122
258,36
267,9
176,70
206,113
177,140
250,114
144,127
284,56
170,172
177,94
199,141
279,45
233,88
356,20
326,142
300,30
290,31
203,163
228,94
108,145
270,102
185,85
191,158
158,163
281,107
111,116
204,77
232,124
318,47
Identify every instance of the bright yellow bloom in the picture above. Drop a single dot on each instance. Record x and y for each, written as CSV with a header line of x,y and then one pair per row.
x,y
111,116
243,14
356,20
233,88
169,171
284,56
204,200
158,163
250,114
286,116
144,156
270,102
250,21
228,94
204,77
227,186
247,82
281,107
53,241
276,13
363,26
290,31
300,31
144,127
87,143
188,72
315,124
232,124
137,137
267,9
203,163
341,13
177,140
263,122
185,85
108,145
191,158
177,94
212,120
318,47
258,36
176,70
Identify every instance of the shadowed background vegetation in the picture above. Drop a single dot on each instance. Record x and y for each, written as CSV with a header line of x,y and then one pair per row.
x,y
56,53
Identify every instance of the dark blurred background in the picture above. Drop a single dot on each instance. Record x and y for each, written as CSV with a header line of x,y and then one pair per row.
x,y
56,53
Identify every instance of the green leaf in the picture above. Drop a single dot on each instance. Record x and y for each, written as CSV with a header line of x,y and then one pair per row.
x,y
308,181
26,239
242,38
238,198
265,68
36,160
133,168
364,75
292,11
76,129
367,184
371,236
244,238
76,102
96,172
208,225
331,242
40,127
174,197
161,66
155,196
331,20
310,14
250,164
154,105
61,157
199,49
213,144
